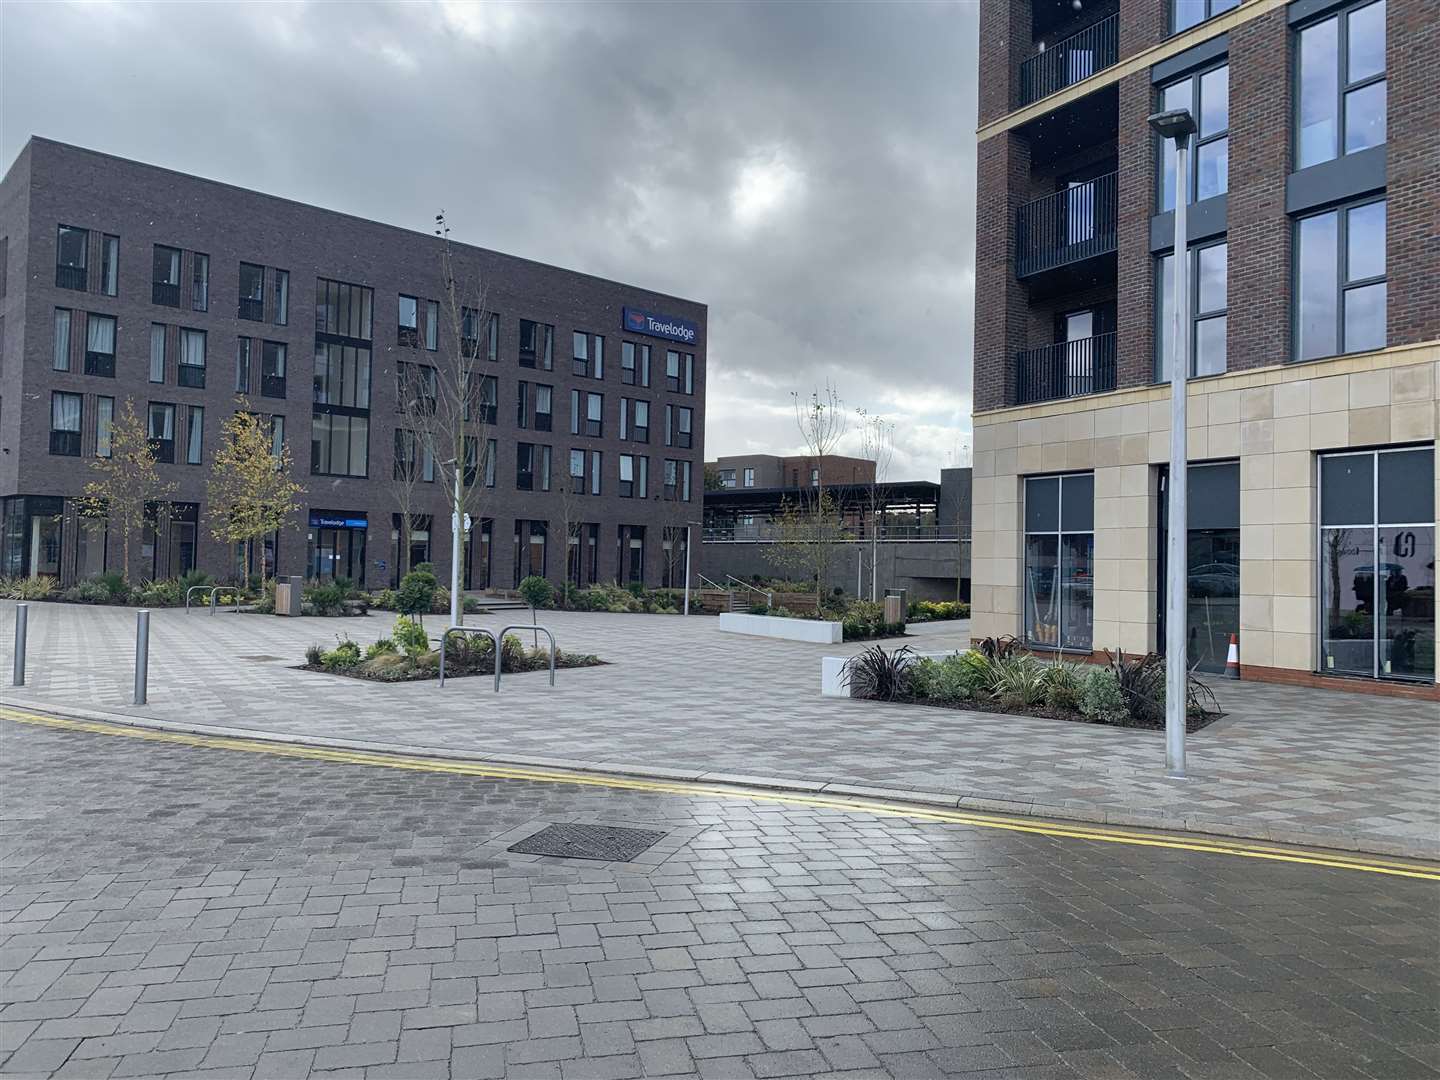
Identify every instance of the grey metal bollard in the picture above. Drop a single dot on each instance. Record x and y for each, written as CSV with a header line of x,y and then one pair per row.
x,y
142,654
22,617
214,598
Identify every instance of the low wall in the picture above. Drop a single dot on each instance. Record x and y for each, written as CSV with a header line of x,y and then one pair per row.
x,y
826,633
929,569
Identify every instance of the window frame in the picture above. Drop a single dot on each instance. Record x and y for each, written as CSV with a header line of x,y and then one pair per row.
x,y
60,360
100,363
1343,87
104,422
407,335
186,373
1192,182
164,449
72,435
282,297
1059,533
199,281
246,304
78,277
1342,285
1210,13
109,267
1196,316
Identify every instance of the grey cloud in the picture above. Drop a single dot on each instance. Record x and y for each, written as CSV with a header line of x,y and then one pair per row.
x,y
608,137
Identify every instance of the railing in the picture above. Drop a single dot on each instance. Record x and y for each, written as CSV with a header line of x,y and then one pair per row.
x,y
495,641
554,649
214,591
65,443
191,375
100,363
769,596
763,532
71,277
1071,225
1068,369
164,292
1070,60
272,386
252,308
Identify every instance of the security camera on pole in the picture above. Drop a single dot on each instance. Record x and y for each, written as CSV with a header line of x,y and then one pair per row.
x,y
1179,125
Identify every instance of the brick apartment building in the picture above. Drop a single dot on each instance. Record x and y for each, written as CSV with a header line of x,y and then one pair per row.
x,y
772,471
1314,315
122,280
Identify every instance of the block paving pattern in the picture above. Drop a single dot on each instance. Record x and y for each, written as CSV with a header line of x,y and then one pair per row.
x,y
678,696
174,911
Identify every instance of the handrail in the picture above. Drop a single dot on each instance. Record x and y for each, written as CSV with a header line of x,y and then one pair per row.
x,y
554,649
1072,224
713,584
769,596
212,590
468,630
1070,60
1066,369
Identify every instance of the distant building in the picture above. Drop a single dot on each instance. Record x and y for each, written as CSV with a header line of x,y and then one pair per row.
x,y
769,471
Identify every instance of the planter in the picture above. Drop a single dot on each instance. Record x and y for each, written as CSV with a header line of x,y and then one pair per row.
x,y
835,683
774,626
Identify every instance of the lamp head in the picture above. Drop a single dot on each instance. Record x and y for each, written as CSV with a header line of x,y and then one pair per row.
x,y
1175,124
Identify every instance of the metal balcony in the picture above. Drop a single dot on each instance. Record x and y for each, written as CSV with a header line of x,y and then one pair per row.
x,y
70,277
252,308
1067,227
1070,60
165,292
1065,370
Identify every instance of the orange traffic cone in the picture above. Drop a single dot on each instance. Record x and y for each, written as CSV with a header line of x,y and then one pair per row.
x,y
1232,659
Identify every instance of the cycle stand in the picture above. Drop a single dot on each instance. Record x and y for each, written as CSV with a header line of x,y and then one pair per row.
x,y
496,640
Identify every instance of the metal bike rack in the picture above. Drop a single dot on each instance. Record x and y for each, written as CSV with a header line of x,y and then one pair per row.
x,y
470,630
554,649
214,591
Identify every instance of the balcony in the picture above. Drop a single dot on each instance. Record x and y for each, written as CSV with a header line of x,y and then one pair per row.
x,y
165,292
70,277
272,386
1070,60
1065,370
190,375
252,308
1067,227
100,363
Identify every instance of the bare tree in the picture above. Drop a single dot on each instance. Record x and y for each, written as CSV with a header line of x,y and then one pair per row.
x,y
808,530
414,450
877,443
465,398
570,490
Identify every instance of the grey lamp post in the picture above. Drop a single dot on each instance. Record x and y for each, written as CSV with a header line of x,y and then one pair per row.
x,y
1177,125
688,526
457,607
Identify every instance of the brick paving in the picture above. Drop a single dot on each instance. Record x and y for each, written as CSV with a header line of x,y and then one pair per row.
x,y
168,911
678,696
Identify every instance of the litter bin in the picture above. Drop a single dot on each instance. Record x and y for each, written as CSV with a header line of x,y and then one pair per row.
x,y
897,605
287,594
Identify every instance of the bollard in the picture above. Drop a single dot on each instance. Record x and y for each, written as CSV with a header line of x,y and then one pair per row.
x,y
22,616
142,654
214,598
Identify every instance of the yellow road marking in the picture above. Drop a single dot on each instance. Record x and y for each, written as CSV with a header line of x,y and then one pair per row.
x,y
487,770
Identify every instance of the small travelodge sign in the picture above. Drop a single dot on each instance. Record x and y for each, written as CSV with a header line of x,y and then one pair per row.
x,y
670,327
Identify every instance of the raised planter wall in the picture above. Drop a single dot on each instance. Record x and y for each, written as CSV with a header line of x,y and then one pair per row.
x,y
826,633
835,683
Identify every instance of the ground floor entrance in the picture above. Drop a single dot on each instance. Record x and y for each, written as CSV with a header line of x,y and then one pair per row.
x,y
336,546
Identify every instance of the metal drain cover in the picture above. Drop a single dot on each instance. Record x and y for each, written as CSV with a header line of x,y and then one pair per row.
x,y
603,842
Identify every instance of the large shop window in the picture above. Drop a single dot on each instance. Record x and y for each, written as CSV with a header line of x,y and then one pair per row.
x,y
1377,564
1060,561
1212,561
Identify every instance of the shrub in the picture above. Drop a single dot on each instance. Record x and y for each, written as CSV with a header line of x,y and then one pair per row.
x,y
1017,681
386,667
1142,684
933,610
191,578
346,654
410,636
383,647
960,678
385,600
512,653
468,650
635,589
997,648
266,604
471,604
1101,698
159,594
327,599
313,653
27,588
416,595
1062,686
87,592
878,675
537,592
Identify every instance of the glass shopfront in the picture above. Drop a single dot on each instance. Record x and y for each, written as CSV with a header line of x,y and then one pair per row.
x,y
336,546
1377,564
31,536
1212,605
1060,561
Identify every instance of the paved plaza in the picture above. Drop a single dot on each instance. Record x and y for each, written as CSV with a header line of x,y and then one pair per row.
x,y
678,697
179,910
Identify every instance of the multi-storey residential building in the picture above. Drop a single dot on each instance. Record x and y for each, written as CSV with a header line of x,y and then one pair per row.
x,y
120,280
1313,317
771,471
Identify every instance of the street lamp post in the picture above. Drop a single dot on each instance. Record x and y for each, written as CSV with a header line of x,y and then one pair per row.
x,y
688,526
1177,125
457,607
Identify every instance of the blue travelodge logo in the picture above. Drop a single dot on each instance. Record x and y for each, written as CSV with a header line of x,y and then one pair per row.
x,y
661,326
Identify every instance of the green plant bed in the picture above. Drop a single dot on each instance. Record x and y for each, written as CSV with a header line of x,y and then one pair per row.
x,y
408,656
997,677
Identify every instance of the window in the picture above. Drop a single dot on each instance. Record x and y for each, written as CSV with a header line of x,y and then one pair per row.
x,y
343,310
640,429
544,406
242,365
492,339
157,352
277,438
190,371
1059,561
1187,13
161,431
577,471
594,412
104,426
1340,106
409,320
684,417
272,369
727,476
432,325
165,276
487,394
522,405
252,292
472,466
624,419
470,331
100,345
814,478
630,560
685,475
65,424
749,478
62,340
416,389
72,252
110,265
1340,281
597,460
680,371
529,549
1377,519
537,345
339,444
282,297
1207,96
200,283
525,466
580,362
1207,288
634,364
627,476
414,459
342,375
194,434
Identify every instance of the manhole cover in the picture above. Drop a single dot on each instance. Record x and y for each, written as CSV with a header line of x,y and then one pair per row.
x,y
602,842
258,659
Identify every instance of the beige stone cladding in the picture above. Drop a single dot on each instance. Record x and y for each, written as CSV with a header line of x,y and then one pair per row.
x,y
1275,420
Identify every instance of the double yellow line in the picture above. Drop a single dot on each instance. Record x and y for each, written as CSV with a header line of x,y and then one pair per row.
x,y
908,811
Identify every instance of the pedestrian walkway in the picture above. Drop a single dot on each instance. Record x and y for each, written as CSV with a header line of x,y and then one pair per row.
x,y
679,698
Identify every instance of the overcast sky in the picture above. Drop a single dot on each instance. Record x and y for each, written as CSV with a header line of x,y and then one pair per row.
x,y
805,169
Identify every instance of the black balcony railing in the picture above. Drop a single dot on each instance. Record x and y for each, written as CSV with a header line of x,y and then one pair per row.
x,y
164,450
1071,225
70,277
1068,369
191,375
165,292
272,386
252,308
1070,60
100,363
65,443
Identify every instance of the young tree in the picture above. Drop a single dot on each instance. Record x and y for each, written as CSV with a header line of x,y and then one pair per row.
x,y
125,482
877,444
570,490
809,528
414,462
251,490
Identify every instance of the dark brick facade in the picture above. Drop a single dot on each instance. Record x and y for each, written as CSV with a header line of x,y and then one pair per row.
x,y
1029,160
50,184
